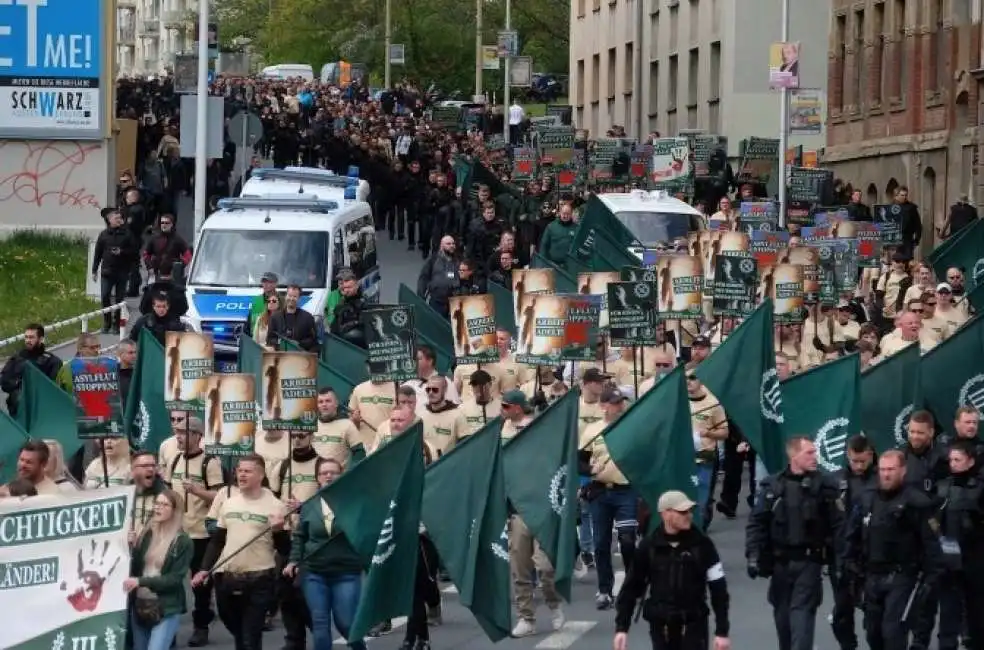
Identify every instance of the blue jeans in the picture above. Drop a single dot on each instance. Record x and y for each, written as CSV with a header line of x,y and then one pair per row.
x,y
705,472
618,509
158,637
585,530
760,472
332,597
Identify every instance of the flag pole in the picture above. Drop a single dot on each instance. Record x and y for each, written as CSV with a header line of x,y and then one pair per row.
x,y
105,461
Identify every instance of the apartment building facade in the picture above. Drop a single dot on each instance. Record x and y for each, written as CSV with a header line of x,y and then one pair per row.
x,y
149,33
686,64
904,100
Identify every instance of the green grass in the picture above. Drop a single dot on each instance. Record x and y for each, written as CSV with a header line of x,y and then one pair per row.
x,y
539,110
42,280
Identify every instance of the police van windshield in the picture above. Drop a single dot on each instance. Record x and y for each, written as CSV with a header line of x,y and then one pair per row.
x,y
238,258
652,228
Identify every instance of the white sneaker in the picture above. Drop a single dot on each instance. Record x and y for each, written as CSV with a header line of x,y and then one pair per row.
x,y
524,628
557,618
580,570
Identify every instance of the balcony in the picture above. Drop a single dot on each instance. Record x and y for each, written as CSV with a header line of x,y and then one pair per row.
x,y
150,27
176,20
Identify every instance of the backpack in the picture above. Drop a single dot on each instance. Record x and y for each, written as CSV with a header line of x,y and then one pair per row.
x,y
206,459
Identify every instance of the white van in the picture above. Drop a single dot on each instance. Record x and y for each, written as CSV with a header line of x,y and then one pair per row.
x,y
266,181
305,241
655,218
289,71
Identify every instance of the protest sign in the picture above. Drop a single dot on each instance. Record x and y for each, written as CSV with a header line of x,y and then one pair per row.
x,y
96,384
289,391
527,283
632,313
783,283
230,415
541,330
391,341
679,281
596,284
581,330
735,282
188,361
473,329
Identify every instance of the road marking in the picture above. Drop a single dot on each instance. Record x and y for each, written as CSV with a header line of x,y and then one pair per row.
x,y
397,624
566,636
619,579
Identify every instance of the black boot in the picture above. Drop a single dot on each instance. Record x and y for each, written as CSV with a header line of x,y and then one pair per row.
x,y
198,638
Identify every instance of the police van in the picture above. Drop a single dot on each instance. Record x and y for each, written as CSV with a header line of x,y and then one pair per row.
x,y
657,219
304,239
304,181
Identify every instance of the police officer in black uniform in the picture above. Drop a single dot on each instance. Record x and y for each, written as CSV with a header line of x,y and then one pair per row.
x,y
966,427
680,565
925,466
790,536
961,591
892,536
854,480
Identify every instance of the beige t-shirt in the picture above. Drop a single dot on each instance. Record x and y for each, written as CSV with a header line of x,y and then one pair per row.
x,y
890,283
196,509
476,417
706,414
244,519
954,317
508,374
607,470
443,429
302,476
375,402
510,429
337,439
588,414
47,486
168,450
809,355
273,447
118,471
384,434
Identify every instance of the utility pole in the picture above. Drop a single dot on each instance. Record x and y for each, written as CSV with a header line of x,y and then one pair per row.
x,y
388,37
201,126
783,124
507,66
479,63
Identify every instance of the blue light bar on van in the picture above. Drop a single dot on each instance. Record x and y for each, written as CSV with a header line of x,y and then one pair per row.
x,y
350,193
301,175
353,171
279,203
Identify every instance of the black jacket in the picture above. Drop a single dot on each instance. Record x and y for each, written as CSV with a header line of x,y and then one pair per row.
x,y
298,327
116,251
12,375
157,326
347,322
175,297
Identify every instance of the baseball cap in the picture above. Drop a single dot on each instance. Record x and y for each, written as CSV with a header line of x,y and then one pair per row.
x,y
269,276
701,341
593,374
480,378
944,286
515,398
613,396
675,500
843,304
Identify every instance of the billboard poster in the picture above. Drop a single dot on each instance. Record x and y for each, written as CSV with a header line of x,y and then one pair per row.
x,y
289,391
188,363
53,57
230,415
96,383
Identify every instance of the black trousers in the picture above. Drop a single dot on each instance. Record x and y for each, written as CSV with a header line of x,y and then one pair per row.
x,y
243,600
413,221
396,221
734,466
961,599
425,591
112,290
885,598
795,593
842,617
675,636
202,614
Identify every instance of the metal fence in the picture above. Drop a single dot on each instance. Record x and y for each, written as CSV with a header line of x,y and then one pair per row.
x,y
83,319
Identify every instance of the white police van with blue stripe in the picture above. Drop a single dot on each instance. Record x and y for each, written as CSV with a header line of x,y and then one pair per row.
x,y
304,239
265,181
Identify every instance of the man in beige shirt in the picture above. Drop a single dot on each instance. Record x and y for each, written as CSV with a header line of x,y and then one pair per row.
x,y
480,406
444,421
589,409
337,437
515,413
710,428
506,372
406,403
31,461
908,331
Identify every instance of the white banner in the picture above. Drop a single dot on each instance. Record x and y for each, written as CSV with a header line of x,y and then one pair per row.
x,y
63,560
34,107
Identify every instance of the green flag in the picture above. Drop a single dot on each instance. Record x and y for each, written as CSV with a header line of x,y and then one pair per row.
x,y
951,374
327,377
145,420
504,308
824,404
46,411
12,436
754,405
251,361
966,252
606,255
889,395
596,218
349,361
976,298
652,443
436,327
540,466
564,282
465,513
377,506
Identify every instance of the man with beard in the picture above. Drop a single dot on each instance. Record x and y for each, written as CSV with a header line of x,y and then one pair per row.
x,y
165,247
337,437
12,375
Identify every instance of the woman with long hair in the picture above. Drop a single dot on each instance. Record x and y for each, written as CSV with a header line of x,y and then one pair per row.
x,y
158,569
56,470
117,468
262,325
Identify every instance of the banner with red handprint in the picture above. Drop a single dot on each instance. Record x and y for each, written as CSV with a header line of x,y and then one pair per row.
x,y
96,384
66,558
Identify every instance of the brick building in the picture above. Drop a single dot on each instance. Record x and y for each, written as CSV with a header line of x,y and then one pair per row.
x,y
903,100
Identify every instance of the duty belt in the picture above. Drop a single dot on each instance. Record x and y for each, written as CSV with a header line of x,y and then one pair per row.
x,y
610,486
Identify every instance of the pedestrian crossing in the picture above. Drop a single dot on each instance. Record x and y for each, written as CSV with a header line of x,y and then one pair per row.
x,y
566,636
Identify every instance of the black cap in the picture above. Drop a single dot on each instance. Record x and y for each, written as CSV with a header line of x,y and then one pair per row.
x,y
901,256
613,396
593,374
480,378
701,341
270,276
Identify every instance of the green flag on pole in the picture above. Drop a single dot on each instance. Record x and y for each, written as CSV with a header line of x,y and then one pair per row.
x,y
46,411
824,404
652,443
251,361
889,395
952,373
377,506
349,361
741,373
966,252
12,436
540,466
145,420
466,515
327,377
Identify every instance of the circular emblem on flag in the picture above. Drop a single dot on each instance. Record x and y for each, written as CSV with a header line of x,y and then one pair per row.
x,y
641,290
501,548
766,226
978,272
746,266
399,318
825,252
831,442
386,545
558,491
896,209
770,397
409,365
649,276
142,423
972,393
901,435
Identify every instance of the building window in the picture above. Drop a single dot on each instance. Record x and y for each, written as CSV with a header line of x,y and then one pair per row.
x,y
627,121
715,17
938,64
841,58
693,76
693,18
595,78
653,37
674,27
612,66
878,55
673,81
595,5
654,88
859,56
580,81
628,82
714,87
902,69
581,8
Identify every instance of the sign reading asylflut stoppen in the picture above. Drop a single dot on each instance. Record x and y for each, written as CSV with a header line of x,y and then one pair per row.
x,y
52,58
